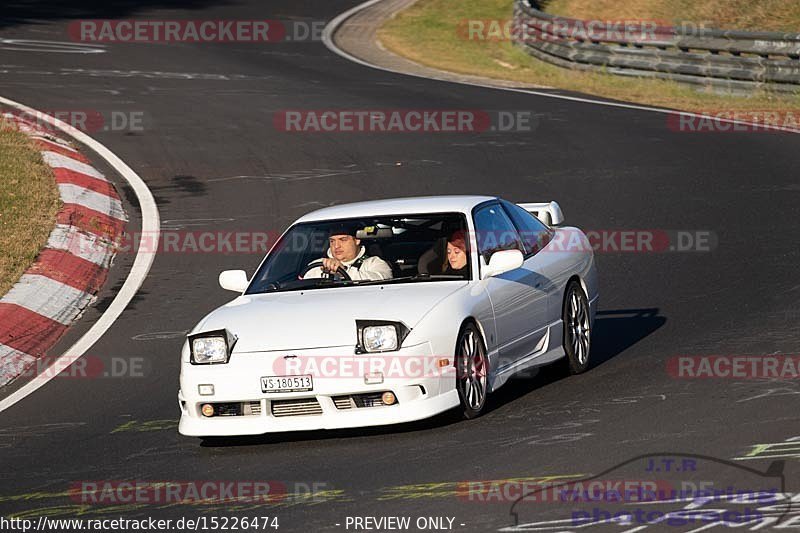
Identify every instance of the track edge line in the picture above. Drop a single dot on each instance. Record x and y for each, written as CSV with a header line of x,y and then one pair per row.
x,y
138,272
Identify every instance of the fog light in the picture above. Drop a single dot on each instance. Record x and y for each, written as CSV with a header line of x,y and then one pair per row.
x,y
207,409
388,398
205,390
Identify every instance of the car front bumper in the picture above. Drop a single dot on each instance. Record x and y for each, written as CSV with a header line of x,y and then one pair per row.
x,y
422,389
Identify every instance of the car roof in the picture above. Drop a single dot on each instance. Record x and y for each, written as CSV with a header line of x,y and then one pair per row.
x,y
398,206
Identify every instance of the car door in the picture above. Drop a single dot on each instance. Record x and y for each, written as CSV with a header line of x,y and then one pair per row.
x,y
518,299
547,262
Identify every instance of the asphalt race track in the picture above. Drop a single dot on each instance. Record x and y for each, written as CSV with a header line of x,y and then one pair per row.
x,y
210,153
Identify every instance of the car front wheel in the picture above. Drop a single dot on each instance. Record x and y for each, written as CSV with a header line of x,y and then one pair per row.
x,y
472,371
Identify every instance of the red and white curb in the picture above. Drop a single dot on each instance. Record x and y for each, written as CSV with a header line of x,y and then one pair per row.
x,y
72,266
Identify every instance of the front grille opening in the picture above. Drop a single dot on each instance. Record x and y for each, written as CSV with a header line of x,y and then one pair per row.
x,y
227,409
373,399
343,402
356,401
299,407
251,408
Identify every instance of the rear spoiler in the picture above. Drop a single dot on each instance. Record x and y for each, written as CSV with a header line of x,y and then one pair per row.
x,y
549,212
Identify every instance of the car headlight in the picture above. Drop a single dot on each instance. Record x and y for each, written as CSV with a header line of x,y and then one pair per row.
x,y
379,336
211,347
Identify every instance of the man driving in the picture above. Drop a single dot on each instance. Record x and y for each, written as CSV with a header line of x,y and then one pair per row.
x,y
345,251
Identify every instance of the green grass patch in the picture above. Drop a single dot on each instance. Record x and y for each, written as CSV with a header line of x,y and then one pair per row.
x,y
29,202
432,32
774,15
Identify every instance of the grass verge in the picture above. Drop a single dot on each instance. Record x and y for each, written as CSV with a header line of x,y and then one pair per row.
x,y
431,32
774,15
29,202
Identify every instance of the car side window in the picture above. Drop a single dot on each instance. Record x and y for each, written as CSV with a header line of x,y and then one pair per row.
x,y
534,233
495,231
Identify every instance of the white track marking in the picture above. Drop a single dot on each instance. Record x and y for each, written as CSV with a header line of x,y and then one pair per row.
x,y
81,244
139,270
48,297
75,194
61,161
331,27
62,47
13,363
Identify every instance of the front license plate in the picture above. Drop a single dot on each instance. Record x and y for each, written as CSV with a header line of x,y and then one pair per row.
x,y
287,383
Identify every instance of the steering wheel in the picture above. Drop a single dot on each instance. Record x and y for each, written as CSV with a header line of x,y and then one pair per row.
x,y
341,271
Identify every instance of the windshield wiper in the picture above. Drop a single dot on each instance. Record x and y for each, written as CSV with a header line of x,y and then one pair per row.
x,y
295,285
418,277
437,276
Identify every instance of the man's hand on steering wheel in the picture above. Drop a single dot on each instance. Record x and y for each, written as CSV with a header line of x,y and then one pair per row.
x,y
331,265
324,264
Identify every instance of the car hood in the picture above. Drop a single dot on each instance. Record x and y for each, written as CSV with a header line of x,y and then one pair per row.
x,y
322,318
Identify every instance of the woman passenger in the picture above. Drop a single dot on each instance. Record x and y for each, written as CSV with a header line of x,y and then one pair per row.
x,y
457,256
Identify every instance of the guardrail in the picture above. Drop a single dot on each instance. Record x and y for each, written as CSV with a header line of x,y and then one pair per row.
x,y
721,58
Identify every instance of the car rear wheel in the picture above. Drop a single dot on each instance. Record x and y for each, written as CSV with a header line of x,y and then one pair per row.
x,y
577,328
472,371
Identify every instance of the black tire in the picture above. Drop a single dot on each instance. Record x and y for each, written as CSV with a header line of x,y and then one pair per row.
x,y
472,371
577,329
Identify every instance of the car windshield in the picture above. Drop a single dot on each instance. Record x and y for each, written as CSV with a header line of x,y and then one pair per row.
x,y
386,249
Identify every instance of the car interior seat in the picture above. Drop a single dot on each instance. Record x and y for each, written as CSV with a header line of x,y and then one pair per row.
x,y
434,260
374,249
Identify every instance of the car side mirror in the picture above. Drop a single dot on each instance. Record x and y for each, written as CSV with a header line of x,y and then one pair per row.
x,y
233,280
502,262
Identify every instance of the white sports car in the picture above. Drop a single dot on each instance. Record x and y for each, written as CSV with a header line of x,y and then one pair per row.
x,y
423,335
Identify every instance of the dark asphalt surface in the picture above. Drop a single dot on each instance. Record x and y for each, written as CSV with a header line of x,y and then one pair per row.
x,y
208,150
